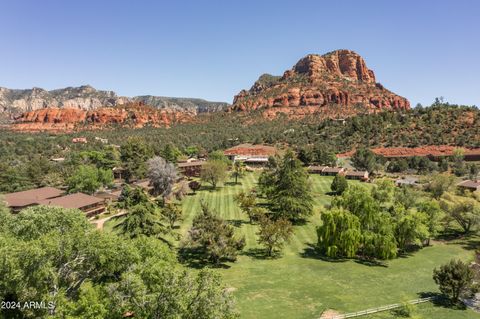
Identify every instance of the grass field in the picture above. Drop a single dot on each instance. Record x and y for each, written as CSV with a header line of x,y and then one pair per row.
x,y
300,285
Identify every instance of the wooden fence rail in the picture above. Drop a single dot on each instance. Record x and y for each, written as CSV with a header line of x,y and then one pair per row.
x,y
378,309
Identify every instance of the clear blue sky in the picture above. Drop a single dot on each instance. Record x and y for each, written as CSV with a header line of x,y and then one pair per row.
x,y
213,49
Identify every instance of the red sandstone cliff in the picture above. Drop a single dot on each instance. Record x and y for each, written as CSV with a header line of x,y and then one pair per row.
x,y
338,83
68,119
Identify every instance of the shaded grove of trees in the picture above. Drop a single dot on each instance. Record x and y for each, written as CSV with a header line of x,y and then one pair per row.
x,y
54,254
377,224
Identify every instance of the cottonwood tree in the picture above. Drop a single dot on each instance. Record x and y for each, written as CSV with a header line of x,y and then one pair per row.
x,y
213,238
463,210
435,216
439,184
291,194
214,172
455,279
273,234
88,179
162,175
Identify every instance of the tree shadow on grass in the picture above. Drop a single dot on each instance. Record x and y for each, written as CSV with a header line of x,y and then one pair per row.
x,y
259,253
371,263
193,258
256,253
312,252
440,300
232,183
237,222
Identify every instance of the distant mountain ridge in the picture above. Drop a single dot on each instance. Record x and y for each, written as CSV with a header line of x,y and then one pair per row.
x,y
14,102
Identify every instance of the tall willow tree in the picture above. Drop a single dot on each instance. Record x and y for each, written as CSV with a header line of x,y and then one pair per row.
x,y
339,235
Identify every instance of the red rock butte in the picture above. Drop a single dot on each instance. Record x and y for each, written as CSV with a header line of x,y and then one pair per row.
x,y
338,83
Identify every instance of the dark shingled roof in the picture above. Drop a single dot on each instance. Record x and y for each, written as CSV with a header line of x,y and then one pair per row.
x,y
31,197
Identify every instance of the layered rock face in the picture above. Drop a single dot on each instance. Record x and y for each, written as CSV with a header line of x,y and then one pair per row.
x,y
15,102
68,119
338,83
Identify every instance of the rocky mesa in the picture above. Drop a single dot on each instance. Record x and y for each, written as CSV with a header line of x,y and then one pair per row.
x,y
338,83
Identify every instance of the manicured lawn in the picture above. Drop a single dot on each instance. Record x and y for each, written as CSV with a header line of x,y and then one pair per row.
x,y
300,285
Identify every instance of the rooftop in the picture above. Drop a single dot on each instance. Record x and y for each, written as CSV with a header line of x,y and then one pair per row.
x,y
76,200
356,173
251,150
31,197
470,184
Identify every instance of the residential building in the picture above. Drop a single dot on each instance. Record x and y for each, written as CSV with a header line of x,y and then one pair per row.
x,y
254,155
358,175
90,205
470,185
20,200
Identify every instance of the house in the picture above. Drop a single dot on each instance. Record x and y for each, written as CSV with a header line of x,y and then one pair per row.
x,y
315,169
358,175
20,200
251,154
470,185
333,171
90,205
190,168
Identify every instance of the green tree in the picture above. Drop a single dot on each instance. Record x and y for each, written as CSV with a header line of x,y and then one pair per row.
x,y
273,234
172,213
434,215
339,184
455,279
171,153
238,170
410,227
463,210
384,191
365,159
88,179
213,238
134,155
142,220
247,202
339,235
214,172
291,195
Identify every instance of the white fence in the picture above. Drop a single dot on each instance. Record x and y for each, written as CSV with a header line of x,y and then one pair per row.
x,y
378,309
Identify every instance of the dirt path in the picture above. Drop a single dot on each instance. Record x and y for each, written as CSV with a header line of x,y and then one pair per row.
x,y
100,222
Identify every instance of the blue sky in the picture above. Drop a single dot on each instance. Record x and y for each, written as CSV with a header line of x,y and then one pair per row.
x,y
213,49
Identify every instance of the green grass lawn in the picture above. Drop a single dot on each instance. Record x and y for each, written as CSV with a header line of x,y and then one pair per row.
x,y
300,285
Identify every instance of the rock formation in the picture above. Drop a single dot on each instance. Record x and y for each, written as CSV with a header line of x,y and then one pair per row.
x,y
338,83
15,102
68,119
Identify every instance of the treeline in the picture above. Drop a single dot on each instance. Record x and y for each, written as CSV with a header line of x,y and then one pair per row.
x,y
25,158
